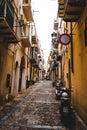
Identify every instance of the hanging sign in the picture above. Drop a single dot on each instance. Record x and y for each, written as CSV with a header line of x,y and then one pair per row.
x,y
64,39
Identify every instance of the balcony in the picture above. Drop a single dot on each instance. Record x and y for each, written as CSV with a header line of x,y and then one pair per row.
x,y
7,25
56,25
27,9
55,43
61,8
25,36
34,40
33,57
70,10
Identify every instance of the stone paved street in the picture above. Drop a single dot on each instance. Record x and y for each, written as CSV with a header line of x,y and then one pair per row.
x,y
35,109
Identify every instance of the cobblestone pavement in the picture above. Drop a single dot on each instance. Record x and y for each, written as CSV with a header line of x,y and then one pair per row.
x,y
35,109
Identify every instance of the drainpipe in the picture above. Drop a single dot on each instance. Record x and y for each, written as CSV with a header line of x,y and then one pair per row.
x,y
72,67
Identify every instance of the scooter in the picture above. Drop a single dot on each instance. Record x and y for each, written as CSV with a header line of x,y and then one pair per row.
x,y
65,106
58,93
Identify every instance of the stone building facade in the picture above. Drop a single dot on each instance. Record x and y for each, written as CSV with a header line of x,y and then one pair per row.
x,y
17,38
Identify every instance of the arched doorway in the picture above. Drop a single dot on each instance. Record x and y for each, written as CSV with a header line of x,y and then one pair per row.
x,y
22,66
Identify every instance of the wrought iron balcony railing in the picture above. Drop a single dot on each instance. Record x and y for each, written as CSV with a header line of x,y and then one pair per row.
x,y
8,22
33,56
34,40
25,37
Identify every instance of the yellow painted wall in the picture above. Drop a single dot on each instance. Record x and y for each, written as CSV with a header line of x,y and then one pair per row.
x,y
79,77
6,65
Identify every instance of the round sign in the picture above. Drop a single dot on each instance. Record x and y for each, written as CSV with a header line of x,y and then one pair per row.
x,y
64,39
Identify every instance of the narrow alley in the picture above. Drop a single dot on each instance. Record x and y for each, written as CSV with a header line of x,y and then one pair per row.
x,y
35,109
43,44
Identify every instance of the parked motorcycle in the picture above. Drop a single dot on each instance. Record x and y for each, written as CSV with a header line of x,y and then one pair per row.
x,y
65,106
58,93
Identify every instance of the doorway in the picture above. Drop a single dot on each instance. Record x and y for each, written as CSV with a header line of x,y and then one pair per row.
x,y
22,66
